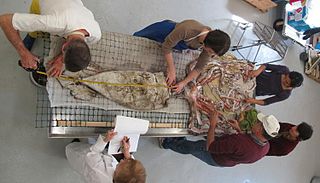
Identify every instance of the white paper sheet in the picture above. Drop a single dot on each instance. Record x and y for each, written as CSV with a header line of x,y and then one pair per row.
x,y
130,127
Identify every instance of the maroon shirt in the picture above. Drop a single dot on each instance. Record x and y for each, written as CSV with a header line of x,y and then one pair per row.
x,y
231,150
281,146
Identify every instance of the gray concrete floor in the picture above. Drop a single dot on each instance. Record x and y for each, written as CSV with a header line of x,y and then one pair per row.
x,y
28,156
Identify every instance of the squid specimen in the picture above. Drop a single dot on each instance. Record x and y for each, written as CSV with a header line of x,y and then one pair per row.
x,y
222,86
121,87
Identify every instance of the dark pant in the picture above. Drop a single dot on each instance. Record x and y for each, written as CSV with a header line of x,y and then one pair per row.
x,y
159,31
197,149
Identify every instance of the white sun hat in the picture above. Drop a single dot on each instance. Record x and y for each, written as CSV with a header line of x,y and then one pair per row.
x,y
270,124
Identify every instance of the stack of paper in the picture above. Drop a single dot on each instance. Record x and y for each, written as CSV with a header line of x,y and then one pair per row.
x,y
130,127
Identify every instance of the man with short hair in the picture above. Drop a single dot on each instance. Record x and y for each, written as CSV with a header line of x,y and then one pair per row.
x,y
288,138
229,150
69,19
188,34
274,80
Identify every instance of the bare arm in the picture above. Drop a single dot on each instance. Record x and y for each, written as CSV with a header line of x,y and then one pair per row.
x,y
177,34
213,122
276,98
254,101
27,58
270,100
12,34
171,69
257,72
178,87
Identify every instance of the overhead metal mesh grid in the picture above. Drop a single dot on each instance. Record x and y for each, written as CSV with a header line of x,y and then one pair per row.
x,y
115,51
87,116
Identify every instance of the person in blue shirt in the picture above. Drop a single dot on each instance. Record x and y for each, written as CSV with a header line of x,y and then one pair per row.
x,y
274,80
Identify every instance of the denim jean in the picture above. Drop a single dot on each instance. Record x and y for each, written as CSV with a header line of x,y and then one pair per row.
x,y
197,148
159,31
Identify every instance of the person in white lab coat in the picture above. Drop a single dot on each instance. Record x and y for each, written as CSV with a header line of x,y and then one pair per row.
x,y
96,166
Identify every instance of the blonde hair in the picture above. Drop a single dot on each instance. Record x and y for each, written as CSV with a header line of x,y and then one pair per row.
x,y
131,172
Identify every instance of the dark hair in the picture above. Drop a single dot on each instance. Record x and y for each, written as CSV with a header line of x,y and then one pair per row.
x,y
218,41
77,55
296,79
305,131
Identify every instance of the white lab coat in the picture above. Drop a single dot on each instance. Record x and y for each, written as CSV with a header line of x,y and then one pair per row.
x,y
91,162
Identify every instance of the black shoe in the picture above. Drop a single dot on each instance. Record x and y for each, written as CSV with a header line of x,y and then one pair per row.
x,y
75,140
178,139
28,41
39,80
164,141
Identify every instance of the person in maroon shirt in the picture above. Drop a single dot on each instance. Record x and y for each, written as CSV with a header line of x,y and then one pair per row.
x,y
229,150
289,136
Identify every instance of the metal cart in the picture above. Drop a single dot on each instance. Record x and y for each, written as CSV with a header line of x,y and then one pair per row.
x,y
254,42
268,40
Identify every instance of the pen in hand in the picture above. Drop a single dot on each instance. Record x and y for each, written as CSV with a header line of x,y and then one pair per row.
x,y
121,146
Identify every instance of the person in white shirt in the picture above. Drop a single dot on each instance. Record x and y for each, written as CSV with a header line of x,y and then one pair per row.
x,y
97,167
69,19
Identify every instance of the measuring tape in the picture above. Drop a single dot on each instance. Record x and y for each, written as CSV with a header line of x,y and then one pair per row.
x,y
68,78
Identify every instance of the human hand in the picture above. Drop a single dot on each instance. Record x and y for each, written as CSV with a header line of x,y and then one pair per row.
x,y
171,76
178,87
253,74
55,67
109,135
213,117
249,100
125,146
125,143
28,60
234,124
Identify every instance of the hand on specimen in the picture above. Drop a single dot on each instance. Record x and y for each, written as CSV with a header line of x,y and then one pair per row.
x,y
234,124
253,74
179,87
55,66
171,76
